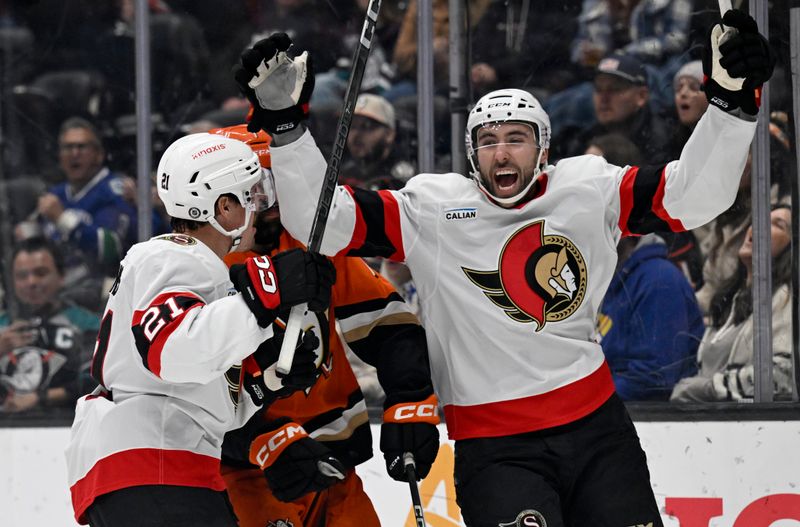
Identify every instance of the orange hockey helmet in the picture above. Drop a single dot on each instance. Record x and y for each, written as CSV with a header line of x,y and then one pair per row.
x,y
258,142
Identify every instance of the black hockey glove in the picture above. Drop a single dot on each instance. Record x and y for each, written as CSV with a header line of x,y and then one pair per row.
x,y
273,285
736,63
293,463
279,88
409,425
260,367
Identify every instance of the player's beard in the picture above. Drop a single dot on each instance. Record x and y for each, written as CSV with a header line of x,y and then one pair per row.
x,y
268,230
375,154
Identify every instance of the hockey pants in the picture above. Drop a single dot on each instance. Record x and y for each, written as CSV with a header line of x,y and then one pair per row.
x,y
592,472
344,504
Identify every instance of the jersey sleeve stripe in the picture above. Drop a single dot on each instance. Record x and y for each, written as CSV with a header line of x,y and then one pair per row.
x,y
675,225
343,312
641,202
360,228
361,329
336,420
391,217
626,199
151,334
371,213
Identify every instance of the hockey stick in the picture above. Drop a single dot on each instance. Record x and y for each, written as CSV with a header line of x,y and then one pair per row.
x,y
411,474
725,80
286,356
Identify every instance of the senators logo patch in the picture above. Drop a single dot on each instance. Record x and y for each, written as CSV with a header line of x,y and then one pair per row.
x,y
180,239
540,278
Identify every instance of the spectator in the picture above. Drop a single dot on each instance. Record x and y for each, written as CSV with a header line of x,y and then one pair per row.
x,y
371,143
46,346
615,148
405,51
649,323
721,239
725,356
379,72
690,103
521,44
654,31
320,28
87,212
620,98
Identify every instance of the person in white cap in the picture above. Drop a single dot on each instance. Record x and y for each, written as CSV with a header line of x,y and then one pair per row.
x,y
541,438
371,144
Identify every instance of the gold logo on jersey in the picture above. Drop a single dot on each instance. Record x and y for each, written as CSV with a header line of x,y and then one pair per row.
x,y
178,238
539,278
234,379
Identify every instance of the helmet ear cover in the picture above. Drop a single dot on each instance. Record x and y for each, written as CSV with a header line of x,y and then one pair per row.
x,y
199,168
506,106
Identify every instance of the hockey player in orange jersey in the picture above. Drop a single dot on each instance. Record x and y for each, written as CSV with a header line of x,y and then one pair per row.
x,y
308,443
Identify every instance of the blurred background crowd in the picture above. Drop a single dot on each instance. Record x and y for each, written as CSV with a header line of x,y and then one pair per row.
x,y
619,78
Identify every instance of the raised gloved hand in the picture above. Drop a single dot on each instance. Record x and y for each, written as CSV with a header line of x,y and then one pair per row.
x,y
278,87
293,463
273,285
736,62
409,425
265,384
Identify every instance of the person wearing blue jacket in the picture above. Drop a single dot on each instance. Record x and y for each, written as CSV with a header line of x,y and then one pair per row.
x,y
87,214
87,209
649,324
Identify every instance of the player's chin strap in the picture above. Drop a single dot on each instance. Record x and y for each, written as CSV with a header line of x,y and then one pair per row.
x,y
512,200
236,234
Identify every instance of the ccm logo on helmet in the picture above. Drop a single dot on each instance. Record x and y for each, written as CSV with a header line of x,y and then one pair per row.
x,y
498,104
201,153
277,442
263,263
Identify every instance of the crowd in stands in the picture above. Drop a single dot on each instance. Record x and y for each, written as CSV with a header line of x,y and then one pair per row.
x,y
619,78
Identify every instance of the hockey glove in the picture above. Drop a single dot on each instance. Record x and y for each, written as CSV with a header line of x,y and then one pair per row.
x,y
293,463
273,285
278,87
736,63
409,425
265,384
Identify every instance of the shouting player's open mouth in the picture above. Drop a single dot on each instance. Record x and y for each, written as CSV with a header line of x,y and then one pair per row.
x,y
506,179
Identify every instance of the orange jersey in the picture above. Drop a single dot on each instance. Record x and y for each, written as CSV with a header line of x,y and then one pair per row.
x,y
377,324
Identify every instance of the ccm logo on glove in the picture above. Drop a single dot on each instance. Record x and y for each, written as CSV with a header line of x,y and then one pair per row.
x,y
261,271
425,411
266,448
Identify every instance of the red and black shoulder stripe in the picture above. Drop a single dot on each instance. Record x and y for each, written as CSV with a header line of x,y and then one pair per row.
x,y
641,196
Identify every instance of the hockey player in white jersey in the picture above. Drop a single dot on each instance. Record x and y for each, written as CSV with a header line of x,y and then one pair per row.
x,y
145,445
511,266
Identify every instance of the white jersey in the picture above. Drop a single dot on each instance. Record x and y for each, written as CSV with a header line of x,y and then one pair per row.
x,y
168,360
509,296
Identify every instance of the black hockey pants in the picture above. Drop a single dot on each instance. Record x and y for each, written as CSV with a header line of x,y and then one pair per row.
x,y
590,473
162,506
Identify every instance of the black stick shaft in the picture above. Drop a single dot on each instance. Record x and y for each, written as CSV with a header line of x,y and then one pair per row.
x,y
343,127
360,56
416,502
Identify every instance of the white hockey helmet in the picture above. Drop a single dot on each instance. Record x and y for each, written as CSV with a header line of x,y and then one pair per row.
x,y
199,168
501,106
